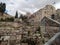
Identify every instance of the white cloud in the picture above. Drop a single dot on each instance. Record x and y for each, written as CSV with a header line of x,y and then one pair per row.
x,y
57,5
27,5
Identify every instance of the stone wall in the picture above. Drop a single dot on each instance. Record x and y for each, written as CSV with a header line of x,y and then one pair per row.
x,y
48,10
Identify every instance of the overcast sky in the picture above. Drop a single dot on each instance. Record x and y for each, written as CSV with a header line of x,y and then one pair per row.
x,y
23,6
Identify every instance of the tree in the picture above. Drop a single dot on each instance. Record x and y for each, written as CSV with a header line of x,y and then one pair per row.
x,y
1,19
2,7
16,16
21,16
11,19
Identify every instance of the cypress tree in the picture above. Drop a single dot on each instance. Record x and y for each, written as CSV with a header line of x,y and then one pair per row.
x,y
2,7
16,15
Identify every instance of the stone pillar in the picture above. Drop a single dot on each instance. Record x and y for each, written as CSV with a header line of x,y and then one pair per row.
x,y
42,33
